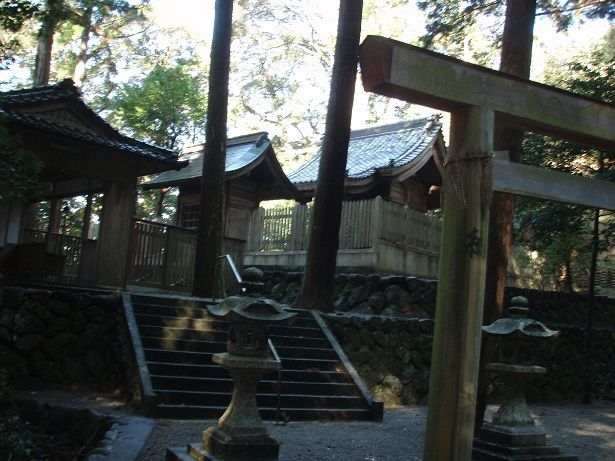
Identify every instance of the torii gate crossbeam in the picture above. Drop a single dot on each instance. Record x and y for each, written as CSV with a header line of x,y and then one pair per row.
x,y
477,98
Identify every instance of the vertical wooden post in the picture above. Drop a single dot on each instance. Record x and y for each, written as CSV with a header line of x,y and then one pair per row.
x,y
166,259
376,223
87,218
54,224
113,246
461,283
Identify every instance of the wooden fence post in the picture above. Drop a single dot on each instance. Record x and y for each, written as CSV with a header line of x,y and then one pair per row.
x,y
295,226
376,223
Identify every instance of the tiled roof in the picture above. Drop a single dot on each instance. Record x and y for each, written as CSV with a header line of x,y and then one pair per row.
x,y
377,148
11,109
62,90
240,152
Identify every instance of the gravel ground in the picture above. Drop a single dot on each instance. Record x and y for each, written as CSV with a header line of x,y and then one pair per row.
x,y
587,431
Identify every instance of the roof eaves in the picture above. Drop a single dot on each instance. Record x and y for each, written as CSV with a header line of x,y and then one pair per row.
x,y
124,144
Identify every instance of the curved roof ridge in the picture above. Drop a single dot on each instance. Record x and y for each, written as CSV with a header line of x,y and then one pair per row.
x,y
389,127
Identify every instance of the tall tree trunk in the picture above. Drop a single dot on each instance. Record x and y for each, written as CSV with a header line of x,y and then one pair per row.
x,y
42,63
160,201
566,280
211,209
317,290
82,56
516,59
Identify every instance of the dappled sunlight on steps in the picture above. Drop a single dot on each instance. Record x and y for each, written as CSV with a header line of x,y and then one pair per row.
x,y
178,339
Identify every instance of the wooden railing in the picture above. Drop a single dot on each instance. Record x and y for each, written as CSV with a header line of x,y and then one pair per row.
x,y
364,223
68,246
604,279
162,254
34,236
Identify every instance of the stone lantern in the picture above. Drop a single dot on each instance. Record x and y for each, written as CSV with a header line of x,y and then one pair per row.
x,y
240,433
512,433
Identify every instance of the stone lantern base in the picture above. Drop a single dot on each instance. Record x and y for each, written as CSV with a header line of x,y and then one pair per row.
x,y
265,449
509,443
240,434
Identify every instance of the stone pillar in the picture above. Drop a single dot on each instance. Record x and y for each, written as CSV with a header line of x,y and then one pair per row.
x,y
115,232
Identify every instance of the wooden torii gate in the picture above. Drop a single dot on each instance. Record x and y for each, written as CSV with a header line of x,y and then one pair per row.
x,y
477,98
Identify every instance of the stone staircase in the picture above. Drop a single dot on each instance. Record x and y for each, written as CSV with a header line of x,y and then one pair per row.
x,y
174,340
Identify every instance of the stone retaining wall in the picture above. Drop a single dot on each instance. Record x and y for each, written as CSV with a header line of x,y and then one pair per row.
x,y
61,337
393,356
385,324
403,296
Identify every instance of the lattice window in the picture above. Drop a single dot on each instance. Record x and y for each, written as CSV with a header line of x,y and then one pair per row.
x,y
190,215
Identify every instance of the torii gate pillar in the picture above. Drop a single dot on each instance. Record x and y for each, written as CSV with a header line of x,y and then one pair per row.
x,y
477,98
461,286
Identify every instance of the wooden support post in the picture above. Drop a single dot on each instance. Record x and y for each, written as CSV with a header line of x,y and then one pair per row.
x,y
54,224
87,218
114,238
456,345
376,224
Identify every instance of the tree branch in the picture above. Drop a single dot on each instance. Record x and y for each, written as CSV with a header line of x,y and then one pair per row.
x,y
572,8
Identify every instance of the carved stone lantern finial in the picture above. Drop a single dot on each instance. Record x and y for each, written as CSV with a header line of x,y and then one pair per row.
x,y
512,433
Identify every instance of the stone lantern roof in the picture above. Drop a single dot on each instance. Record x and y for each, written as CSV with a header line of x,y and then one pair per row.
x,y
238,308
518,324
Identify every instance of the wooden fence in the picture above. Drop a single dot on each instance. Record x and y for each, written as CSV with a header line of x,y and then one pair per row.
x,y
68,246
403,226
364,224
163,256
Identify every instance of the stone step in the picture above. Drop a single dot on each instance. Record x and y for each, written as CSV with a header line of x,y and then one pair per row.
x,y
173,301
156,331
214,371
199,398
301,320
268,414
269,385
221,346
165,355
207,324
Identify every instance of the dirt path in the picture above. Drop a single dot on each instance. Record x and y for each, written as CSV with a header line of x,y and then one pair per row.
x,y
585,431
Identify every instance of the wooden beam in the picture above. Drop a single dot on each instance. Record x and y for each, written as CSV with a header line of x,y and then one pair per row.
x,y
413,74
518,179
74,187
461,287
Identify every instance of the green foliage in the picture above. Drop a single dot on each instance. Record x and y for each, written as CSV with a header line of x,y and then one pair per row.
x,y
16,442
93,29
19,169
14,14
449,21
149,206
166,107
562,232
